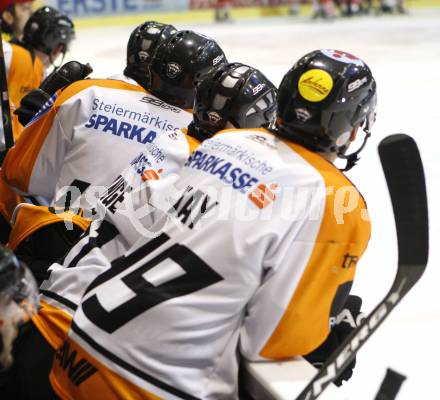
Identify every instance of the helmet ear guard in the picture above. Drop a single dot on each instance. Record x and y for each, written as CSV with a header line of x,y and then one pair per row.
x,y
366,112
367,115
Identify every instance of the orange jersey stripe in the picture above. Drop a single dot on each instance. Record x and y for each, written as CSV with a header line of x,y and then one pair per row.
x,y
8,200
53,323
306,318
75,375
193,143
31,218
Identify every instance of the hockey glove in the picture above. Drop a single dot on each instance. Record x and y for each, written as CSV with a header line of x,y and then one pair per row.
x,y
346,321
31,103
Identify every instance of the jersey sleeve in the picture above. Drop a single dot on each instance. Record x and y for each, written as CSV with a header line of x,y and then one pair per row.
x,y
33,165
305,283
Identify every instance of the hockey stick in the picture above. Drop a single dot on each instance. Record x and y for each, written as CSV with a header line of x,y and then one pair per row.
x,y
4,101
403,170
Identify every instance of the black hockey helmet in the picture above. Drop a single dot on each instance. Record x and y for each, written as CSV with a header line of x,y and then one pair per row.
x,y
16,280
234,93
48,29
179,63
141,45
323,98
18,300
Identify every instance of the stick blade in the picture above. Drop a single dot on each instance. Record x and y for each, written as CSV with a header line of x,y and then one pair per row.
x,y
404,174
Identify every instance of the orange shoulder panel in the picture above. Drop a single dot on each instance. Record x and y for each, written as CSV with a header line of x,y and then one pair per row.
x,y
79,86
193,143
53,323
27,148
19,162
341,241
256,130
30,218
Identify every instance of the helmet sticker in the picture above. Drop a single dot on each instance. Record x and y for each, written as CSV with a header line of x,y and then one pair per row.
x,y
343,57
143,56
257,89
153,30
34,26
214,117
216,60
173,70
343,139
352,86
64,22
302,115
315,85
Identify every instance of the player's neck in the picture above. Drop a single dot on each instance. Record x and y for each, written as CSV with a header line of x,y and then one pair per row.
x,y
44,58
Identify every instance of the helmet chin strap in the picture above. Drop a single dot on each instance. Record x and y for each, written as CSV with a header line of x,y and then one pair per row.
x,y
57,67
353,158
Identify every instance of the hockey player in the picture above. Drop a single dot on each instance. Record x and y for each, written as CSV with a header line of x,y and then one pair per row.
x,y
14,15
324,9
69,144
197,55
34,225
50,32
248,101
23,73
259,253
222,11
141,44
47,34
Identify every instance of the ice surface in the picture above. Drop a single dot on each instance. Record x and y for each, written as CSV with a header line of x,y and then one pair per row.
x,y
404,54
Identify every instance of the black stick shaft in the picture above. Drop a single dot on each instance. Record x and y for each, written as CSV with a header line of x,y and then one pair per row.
x,y
346,352
5,108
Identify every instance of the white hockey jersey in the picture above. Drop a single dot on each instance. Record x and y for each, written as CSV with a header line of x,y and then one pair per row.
x,y
120,225
92,130
257,253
